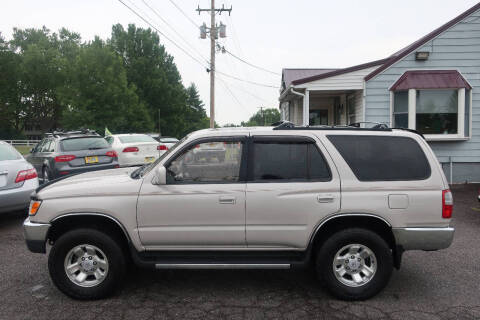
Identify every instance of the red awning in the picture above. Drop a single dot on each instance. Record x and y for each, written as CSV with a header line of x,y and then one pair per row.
x,y
430,79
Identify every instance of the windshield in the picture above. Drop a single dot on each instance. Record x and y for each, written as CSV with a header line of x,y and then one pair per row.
x,y
136,138
8,153
148,167
168,140
84,143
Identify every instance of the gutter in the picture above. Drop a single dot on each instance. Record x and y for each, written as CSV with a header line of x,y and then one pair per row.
x,y
290,90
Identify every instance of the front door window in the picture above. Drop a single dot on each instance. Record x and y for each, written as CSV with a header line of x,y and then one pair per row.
x,y
318,117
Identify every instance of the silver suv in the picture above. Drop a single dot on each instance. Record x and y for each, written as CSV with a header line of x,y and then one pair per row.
x,y
348,201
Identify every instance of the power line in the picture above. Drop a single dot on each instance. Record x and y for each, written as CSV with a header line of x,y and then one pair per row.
x,y
184,14
250,64
248,81
160,32
175,31
246,91
231,93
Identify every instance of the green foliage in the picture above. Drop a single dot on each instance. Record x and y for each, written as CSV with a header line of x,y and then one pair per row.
x,y
263,117
55,81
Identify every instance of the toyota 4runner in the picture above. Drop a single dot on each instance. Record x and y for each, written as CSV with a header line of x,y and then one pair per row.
x,y
347,201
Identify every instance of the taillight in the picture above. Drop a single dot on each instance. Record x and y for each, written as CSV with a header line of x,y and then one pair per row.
x,y
447,204
130,149
162,147
112,154
64,158
26,175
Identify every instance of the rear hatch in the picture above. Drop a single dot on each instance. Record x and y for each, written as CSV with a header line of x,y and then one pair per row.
x,y
11,163
85,151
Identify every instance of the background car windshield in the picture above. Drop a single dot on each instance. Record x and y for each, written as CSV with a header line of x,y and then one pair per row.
x,y
136,138
8,153
87,143
169,140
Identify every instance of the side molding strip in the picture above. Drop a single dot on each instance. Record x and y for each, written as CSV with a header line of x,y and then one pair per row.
x,y
221,266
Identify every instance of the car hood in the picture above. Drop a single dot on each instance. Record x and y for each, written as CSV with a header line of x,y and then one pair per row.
x,y
93,183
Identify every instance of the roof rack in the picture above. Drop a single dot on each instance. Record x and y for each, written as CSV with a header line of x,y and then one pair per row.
x,y
70,133
377,126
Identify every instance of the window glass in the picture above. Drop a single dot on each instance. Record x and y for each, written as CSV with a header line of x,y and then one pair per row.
x,y
288,161
400,109
381,158
136,138
109,140
351,109
168,140
46,146
437,111
209,162
39,146
84,143
8,152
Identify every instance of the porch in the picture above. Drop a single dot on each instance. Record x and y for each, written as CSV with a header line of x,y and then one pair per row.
x,y
322,107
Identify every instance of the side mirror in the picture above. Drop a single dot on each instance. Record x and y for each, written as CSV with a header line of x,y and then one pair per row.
x,y
160,177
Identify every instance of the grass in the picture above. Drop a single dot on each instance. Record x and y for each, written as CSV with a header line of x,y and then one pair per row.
x,y
23,149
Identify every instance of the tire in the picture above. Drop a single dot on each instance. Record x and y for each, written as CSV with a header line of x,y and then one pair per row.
x,y
107,255
343,245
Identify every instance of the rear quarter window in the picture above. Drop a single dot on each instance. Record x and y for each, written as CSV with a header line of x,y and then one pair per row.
x,y
382,158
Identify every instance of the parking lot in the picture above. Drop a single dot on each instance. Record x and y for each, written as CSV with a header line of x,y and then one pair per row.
x,y
430,285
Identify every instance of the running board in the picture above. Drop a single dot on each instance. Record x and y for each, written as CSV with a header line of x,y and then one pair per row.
x,y
222,266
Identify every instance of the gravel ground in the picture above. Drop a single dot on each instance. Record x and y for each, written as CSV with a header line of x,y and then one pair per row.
x,y
430,285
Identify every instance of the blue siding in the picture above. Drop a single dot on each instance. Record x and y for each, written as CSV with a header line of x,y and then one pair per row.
x,y
457,48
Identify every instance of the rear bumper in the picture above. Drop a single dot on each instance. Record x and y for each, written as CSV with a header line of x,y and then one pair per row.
x,y
423,238
18,198
35,235
64,170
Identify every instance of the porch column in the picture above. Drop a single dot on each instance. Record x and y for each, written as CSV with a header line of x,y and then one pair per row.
x,y
306,107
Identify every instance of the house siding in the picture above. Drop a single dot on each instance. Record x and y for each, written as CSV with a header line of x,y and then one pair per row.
x,y
458,48
346,81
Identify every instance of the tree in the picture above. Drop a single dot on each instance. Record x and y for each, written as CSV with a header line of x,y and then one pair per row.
x,y
264,117
99,95
152,70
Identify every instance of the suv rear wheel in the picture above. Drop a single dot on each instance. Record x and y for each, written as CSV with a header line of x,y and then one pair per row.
x,y
355,264
86,264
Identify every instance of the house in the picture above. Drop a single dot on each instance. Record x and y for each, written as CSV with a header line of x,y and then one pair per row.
x,y
432,85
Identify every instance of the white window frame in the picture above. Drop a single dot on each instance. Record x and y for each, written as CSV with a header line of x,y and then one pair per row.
x,y
412,115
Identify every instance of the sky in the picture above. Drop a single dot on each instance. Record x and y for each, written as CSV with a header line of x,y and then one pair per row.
x,y
271,34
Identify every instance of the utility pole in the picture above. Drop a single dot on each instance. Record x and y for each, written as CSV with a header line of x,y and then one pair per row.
x,y
213,36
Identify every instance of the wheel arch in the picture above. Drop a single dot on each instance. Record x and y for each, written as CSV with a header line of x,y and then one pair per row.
x,y
339,222
100,221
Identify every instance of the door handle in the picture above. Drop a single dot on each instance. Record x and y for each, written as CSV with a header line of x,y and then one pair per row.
x,y
227,200
325,198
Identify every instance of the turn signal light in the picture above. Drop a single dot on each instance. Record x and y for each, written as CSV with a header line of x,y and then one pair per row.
x,y
130,149
34,205
162,147
65,158
447,204
26,175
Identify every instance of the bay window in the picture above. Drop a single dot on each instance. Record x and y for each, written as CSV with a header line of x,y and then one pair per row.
x,y
435,103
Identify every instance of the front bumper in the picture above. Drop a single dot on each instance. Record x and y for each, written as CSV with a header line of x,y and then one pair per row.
x,y
423,238
35,235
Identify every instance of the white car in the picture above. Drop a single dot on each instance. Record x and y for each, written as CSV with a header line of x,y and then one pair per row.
x,y
166,143
134,149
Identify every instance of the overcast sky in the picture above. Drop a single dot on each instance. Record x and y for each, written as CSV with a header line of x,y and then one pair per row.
x,y
273,34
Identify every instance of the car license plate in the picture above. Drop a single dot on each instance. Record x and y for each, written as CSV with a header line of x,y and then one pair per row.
x,y
91,159
149,159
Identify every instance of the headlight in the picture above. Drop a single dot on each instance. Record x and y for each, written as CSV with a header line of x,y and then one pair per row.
x,y
34,206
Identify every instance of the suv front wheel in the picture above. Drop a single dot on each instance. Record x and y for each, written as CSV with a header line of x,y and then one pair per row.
x,y
355,264
86,264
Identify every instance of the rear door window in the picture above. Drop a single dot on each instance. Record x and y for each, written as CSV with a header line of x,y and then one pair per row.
x,y
277,161
86,143
382,158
